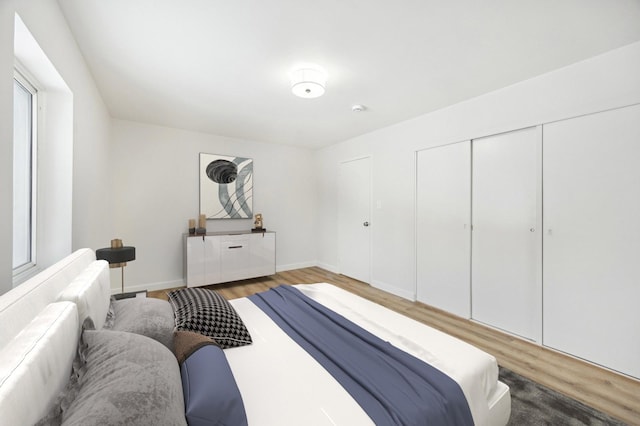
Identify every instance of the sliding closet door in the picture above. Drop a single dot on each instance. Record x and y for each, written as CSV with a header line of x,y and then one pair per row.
x,y
443,227
506,242
592,238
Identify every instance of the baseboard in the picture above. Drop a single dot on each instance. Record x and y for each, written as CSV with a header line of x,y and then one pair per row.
x,y
291,266
328,267
405,294
149,286
279,268
409,295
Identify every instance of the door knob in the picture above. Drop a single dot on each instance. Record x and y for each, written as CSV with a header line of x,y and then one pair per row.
x,y
365,224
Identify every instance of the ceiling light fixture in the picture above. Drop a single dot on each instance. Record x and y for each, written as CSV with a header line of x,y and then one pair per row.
x,y
308,82
358,108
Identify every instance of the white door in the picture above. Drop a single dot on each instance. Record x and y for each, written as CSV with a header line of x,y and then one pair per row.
x,y
592,238
443,200
506,239
354,205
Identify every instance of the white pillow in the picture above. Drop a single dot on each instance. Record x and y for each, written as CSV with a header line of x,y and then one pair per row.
x,y
91,292
35,365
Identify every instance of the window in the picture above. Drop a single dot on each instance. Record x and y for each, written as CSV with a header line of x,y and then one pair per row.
x,y
24,173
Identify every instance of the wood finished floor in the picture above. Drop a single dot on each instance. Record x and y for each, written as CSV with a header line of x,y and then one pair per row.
x,y
607,391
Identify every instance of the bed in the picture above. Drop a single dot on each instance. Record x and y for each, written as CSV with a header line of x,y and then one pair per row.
x,y
276,382
321,400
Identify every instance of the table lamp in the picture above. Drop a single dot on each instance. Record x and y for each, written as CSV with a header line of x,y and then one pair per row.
x,y
117,255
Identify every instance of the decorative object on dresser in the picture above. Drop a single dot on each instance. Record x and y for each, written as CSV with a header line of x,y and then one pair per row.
x,y
202,225
258,224
226,187
117,255
219,257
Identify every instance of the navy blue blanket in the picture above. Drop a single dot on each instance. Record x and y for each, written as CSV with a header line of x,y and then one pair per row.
x,y
392,386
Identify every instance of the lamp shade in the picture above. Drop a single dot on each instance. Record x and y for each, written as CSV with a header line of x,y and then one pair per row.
x,y
116,255
308,82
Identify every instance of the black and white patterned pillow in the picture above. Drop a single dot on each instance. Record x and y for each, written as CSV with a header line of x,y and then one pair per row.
x,y
206,312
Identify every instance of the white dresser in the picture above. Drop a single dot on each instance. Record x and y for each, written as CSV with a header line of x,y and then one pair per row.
x,y
219,257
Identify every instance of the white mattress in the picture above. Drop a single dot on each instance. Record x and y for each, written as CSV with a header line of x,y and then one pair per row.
x,y
283,385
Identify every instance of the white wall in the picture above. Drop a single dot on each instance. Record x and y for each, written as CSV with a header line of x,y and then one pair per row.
x,y
6,149
603,82
139,182
156,192
54,151
90,223
91,219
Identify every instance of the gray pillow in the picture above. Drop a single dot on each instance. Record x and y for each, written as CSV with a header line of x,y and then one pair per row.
x,y
146,316
127,379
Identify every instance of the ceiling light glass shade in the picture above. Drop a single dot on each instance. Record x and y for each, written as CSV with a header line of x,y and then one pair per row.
x,y
308,82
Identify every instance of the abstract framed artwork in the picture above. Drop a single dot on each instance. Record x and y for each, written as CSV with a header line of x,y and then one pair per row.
x,y
226,187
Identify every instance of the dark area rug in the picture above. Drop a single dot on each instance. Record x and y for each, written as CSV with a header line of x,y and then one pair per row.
x,y
534,404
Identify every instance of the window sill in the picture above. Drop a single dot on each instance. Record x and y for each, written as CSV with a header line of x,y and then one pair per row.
x,y
23,273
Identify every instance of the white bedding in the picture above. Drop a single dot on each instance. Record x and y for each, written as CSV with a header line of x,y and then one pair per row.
x,y
282,385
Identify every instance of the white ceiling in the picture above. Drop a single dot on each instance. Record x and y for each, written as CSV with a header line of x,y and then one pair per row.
x,y
223,67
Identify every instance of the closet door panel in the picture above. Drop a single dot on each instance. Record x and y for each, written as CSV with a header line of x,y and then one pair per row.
x,y
506,290
592,238
443,228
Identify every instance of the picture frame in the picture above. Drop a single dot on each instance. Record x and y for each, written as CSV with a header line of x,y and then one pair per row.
x,y
226,186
